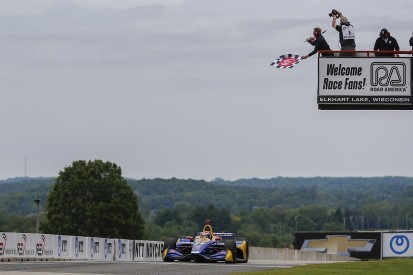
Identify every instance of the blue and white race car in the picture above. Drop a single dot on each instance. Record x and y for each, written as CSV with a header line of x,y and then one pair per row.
x,y
206,246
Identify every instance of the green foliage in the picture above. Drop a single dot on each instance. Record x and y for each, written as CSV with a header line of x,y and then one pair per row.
x,y
266,212
92,199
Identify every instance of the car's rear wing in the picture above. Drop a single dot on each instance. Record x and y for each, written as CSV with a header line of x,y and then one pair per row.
x,y
225,235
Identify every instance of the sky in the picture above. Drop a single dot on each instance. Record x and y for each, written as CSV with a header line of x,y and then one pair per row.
x,y
183,88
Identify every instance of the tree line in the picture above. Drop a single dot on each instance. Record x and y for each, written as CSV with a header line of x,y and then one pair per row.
x,y
265,211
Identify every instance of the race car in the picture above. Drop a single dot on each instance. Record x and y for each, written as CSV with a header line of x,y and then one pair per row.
x,y
206,246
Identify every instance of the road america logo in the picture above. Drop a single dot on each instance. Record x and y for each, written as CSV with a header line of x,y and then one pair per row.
x,y
384,74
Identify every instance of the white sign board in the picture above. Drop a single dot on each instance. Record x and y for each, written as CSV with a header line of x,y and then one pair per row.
x,y
124,250
8,245
356,80
78,247
397,245
62,247
148,251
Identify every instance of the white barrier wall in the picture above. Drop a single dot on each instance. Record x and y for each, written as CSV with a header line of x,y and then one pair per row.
x,y
100,249
94,248
398,244
124,250
8,247
78,247
39,246
45,246
62,247
108,249
147,251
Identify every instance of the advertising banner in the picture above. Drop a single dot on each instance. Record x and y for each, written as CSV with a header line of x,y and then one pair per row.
x,y
94,248
8,245
124,250
108,249
62,247
34,245
364,81
398,244
148,251
361,245
78,247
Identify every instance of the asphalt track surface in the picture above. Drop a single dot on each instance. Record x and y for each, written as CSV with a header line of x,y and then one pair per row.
x,y
141,268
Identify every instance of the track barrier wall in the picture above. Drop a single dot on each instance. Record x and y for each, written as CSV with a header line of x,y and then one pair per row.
x,y
278,254
43,247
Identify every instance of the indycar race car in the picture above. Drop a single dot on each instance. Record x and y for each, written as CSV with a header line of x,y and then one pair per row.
x,y
206,246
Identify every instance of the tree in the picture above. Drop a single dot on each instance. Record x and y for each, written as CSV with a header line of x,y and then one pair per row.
x,y
93,199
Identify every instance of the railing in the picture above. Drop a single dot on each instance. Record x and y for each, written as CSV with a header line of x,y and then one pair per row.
x,y
364,53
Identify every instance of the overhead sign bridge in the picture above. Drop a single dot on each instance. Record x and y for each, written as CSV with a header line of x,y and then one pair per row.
x,y
365,81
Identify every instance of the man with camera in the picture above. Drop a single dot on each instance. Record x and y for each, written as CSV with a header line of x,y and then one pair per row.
x,y
346,32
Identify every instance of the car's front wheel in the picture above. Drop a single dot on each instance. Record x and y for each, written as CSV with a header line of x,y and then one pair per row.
x,y
231,248
169,243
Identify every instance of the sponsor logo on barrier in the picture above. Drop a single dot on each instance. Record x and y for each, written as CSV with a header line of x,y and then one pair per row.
x,y
119,249
92,247
399,244
76,246
148,250
59,245
3,247
3,243
40,246
105,251
21,246
338,244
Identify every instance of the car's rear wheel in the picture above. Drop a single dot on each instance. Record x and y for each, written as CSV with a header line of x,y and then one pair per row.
x,y
169,243
247,254
231,248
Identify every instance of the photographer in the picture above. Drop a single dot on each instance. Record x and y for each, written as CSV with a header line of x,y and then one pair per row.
x,y
346,32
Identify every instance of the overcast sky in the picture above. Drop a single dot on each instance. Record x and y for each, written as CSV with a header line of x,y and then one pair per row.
x,y
183,88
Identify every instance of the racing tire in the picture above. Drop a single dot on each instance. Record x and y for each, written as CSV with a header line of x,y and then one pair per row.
x,y
169,243
247,254
231,246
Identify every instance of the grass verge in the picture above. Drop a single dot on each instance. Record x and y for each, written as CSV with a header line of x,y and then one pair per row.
x,y
388,266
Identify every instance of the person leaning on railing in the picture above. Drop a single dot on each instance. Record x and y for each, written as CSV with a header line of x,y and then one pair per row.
x,y
319,43
386,42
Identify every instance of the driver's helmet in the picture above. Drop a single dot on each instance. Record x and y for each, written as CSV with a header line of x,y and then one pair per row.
x,y
206,234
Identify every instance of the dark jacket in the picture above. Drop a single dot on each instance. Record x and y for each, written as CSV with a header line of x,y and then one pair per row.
x,y
411,42
382,45
320,44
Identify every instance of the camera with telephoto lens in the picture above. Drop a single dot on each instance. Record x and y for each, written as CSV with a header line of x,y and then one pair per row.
x,y
335,13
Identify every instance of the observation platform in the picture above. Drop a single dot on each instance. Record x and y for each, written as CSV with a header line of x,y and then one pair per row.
x,y
365,80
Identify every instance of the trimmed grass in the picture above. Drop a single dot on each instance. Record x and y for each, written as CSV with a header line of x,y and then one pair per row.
x,y
388,266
